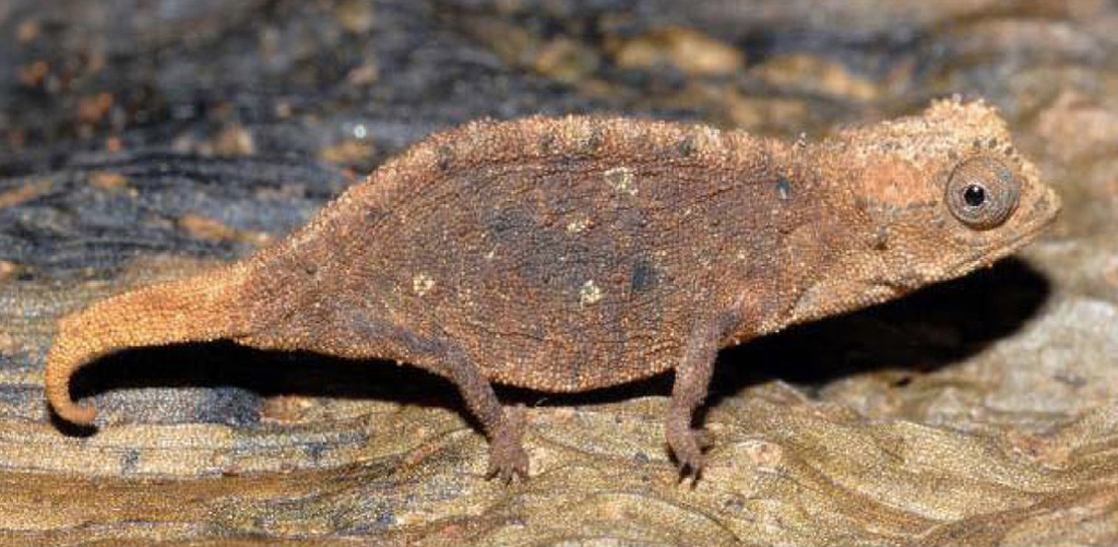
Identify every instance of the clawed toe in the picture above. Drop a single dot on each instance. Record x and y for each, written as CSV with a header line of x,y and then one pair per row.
x,y
507,457
687,445
507,463
689,453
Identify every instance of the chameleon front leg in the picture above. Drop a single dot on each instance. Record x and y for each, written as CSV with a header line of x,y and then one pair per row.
x,y
692,377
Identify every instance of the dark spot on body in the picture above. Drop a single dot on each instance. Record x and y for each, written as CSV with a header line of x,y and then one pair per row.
x,y
546,254
507,223
595,139
783,187
685,147
547,143
373,215
644,276
444,156
993,143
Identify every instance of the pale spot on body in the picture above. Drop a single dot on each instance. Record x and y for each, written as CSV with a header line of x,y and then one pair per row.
x,y
589,293
622,179
578,225
422,284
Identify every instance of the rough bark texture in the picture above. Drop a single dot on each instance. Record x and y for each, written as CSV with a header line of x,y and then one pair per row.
x,y
146,144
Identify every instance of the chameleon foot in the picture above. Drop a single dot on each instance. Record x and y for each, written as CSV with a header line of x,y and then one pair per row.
x,y
687,444
506,455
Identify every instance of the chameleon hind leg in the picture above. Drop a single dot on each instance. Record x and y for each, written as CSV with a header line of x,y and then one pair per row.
x,y
504,427
438,354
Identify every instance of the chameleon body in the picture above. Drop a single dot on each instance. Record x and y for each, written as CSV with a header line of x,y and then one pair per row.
x,y
566,254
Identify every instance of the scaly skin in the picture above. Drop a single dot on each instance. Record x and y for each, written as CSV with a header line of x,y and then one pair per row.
x,y
567,254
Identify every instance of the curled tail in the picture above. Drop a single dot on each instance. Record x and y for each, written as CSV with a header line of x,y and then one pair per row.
x,y
196,309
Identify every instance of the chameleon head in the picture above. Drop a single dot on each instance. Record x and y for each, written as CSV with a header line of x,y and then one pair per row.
x,y
935,196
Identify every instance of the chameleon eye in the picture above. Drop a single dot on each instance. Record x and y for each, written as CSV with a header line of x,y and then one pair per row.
x,y
982,192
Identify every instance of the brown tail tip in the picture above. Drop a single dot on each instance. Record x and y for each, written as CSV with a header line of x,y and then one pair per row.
x,y
57,383
83,414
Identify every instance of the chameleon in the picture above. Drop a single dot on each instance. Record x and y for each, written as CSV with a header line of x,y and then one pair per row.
x,y
565,254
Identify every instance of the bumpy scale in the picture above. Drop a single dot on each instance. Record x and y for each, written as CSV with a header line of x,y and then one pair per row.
x,y
566,254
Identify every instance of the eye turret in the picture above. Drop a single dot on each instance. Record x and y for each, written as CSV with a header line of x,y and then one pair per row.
x,y
982,192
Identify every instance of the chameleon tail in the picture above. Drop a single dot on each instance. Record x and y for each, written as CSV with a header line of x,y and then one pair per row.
x,y
195,309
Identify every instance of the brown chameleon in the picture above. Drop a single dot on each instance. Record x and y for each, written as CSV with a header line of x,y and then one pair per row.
x,y
567,254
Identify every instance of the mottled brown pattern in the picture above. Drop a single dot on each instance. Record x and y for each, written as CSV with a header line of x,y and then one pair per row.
x,y
566,254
